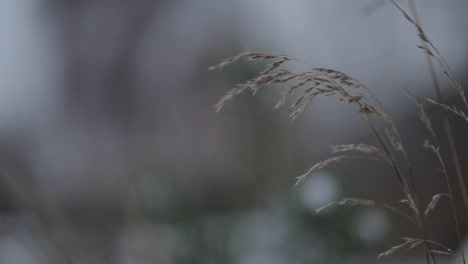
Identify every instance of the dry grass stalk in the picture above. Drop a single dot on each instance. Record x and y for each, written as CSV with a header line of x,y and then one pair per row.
x,y
440,252
409,200
434,147
422,113
448,129
325,82
410,243
247,56
315,82
430,49
319,82
364,202
429,145
347,201
324,163
451,109
435,199
364,148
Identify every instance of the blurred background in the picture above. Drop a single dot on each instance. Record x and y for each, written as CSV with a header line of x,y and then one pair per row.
x,y
110,150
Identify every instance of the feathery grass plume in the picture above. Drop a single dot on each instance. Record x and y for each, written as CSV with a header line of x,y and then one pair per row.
x,y
432,51
409,200
435,199
322,164
434,147
440,252
304,87
265,78
247,56
347,201
410,243
422,113
363,148
429,145
363,202
446,124
317,81
452,109
324,82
